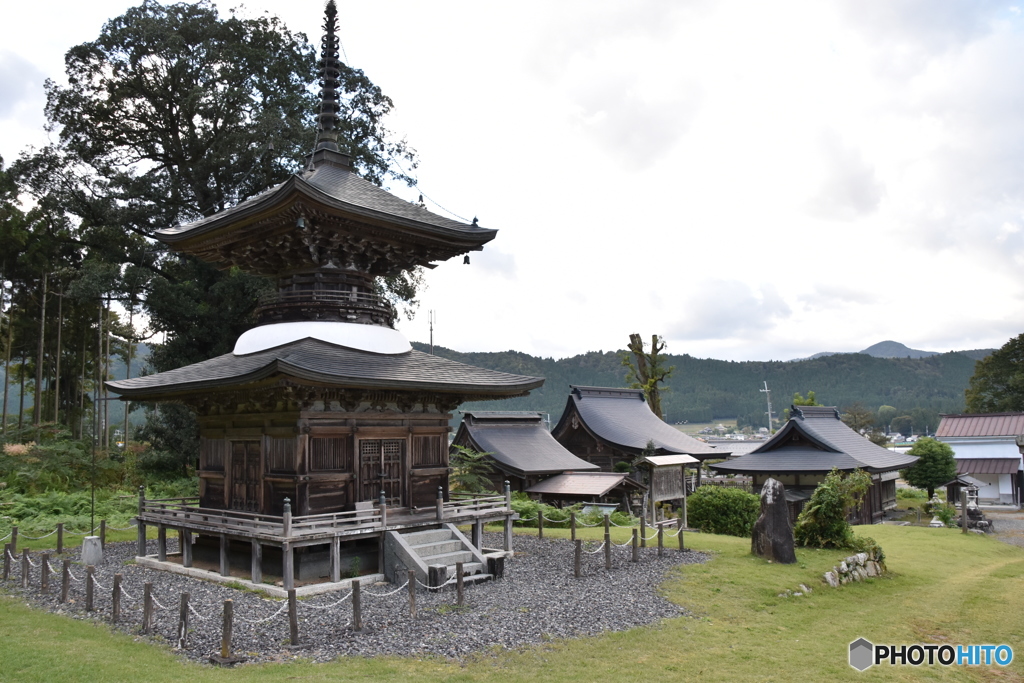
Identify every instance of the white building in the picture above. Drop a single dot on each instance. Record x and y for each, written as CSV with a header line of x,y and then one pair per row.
x,y
987,448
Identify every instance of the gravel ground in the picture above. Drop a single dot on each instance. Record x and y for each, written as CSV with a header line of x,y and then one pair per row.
x,y
537,600
1009,526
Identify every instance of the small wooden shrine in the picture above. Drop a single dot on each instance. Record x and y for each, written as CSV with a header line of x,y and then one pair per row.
x,y
324,430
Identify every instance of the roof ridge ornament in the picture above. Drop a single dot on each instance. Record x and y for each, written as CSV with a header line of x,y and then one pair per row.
x,y
328,121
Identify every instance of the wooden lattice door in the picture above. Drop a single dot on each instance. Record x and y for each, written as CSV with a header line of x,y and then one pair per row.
x,y
382,468
245,476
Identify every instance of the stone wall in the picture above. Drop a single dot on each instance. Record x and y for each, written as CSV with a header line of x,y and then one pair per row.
x,y
855,568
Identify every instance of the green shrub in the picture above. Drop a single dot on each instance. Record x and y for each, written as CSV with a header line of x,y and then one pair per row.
x,y
946,514
823,524
911,494
866,544
723,510
529,508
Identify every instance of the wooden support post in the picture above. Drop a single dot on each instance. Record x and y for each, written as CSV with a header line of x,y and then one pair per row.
x,y
607,546
636,546
577,558
161,542
182,639
540,523
256,564
661,540
25,568
288,561
460,588
607,524
103,534
115,599
147,607
643,531
357,606
60,538
44,577
65,580
336,559
226,629
141,547
185,538
507,545
90,572
181,543
293,618
7,561
14,540
963,511
440,503
383,504
225,547
478,534
683,515
572,526
287,518
508,495
681,525
412,593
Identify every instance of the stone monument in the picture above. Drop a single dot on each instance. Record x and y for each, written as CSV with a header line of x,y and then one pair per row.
x,y
773,533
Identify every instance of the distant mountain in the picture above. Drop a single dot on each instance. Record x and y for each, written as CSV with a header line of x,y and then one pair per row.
x,y
894,349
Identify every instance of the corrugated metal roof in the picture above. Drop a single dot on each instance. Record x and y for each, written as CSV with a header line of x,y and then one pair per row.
x,y
988,465
991,424
623,418
338,366
594,484
519,444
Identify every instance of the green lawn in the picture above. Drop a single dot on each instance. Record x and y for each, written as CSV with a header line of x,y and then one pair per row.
x,y
943,587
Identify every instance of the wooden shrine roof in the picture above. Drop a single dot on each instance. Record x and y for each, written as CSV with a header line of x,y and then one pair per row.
x,y
319,362
816,440
518,442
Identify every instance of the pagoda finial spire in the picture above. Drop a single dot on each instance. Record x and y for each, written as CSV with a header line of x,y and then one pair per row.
x,y
330,72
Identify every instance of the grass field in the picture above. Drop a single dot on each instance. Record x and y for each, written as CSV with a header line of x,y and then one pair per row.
x,y
944,587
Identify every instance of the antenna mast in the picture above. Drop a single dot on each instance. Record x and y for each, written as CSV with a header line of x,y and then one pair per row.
x,y
431,317
768,395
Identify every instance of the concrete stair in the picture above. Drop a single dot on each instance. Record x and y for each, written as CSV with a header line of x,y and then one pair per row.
x,y
428,551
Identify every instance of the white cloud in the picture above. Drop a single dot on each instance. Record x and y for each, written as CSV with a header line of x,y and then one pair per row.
x,y
728,309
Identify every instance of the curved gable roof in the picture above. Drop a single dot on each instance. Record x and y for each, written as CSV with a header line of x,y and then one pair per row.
x,y
518,442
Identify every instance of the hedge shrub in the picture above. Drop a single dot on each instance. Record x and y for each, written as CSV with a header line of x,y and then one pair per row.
x,y
723,510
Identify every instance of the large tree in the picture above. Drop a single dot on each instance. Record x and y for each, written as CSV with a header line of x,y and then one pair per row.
x,y
646,369
934,467
998,382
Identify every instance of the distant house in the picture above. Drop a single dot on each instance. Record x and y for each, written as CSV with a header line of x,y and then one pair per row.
x,y
521,449
606,426
811,444
987,448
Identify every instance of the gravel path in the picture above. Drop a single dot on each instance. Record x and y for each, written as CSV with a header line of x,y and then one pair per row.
x,y
1009,526
537,600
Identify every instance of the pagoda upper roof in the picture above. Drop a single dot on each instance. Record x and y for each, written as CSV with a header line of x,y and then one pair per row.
x,y
312,361
326,216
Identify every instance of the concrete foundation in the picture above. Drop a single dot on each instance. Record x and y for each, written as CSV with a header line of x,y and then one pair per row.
x,y
92,551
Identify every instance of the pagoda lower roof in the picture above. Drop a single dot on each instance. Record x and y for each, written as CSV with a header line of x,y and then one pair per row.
x,y
321,363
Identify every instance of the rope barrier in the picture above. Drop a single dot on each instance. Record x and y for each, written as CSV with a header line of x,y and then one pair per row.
x,y
678,531
580,522
81,533
8,551
50,565
333,604
556,521
72,577
437,588
120,528
592,552
527,519
621,545
6,537
199,616
34,564
37,538
156,602
384,595
99,585
651,537
128,595
621,526
284,606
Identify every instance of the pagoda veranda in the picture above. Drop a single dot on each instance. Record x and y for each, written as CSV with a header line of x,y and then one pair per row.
x,y
323,435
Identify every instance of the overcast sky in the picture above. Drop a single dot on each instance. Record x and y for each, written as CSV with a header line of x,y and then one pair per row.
x,y
751,180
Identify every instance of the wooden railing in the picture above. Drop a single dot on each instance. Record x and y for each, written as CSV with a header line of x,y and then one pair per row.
x,y
462,505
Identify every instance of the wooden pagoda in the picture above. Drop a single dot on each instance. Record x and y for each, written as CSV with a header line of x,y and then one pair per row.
x,y
323,431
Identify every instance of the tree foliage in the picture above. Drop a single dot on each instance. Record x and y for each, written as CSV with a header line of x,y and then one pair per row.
x,y
723,510
470,470
646,369
997,385
934,467
823,521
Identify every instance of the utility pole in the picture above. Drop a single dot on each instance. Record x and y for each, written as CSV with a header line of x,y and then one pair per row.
x,y
768,395
431,316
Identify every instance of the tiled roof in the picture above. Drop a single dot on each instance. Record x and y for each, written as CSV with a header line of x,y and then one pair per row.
x,y
816,440
518,442
991,424
336,366
623,418
594,484
987,465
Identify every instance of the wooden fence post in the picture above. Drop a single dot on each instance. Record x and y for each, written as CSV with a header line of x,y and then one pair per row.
x,y
182,639
357,606
412,593
963,511
141,527
89,587
572,526
103,534
147,607
293,619
7,561
115,599
681,546
25,568
636,546
44,578
540,523
459,585
661,540
14,540
607,545
607,524
226,630
60,537
643,531
65,580
577,562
